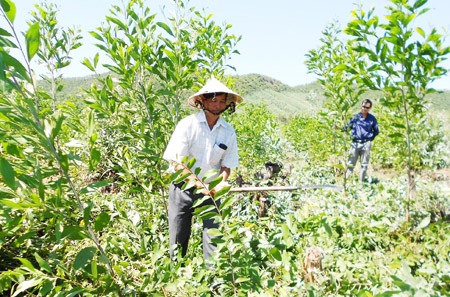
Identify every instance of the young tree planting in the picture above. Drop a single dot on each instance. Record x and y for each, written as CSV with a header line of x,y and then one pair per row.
x,y
153,65
403,60
343,88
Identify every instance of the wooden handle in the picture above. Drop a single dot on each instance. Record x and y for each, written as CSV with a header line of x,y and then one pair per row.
x,y
284,188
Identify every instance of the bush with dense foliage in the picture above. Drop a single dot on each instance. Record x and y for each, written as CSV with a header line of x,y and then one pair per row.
x,y
83,187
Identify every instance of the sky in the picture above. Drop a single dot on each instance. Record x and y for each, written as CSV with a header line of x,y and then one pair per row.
x,y
276,35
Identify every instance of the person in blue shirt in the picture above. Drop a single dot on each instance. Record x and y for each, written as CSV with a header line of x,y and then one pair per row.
x,y
364,130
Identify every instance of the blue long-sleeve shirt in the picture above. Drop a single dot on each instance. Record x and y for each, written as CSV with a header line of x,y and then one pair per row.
x,y
363,128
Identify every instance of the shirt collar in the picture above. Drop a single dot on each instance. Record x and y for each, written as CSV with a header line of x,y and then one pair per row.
x,y
201,116
359,114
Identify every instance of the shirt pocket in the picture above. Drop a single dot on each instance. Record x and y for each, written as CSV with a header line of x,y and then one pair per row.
x,y
216,155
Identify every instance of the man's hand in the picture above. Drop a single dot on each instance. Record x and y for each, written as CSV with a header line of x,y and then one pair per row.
x,y
216,189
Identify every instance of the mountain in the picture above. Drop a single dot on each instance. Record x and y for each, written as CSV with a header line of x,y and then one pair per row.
x,y
279,98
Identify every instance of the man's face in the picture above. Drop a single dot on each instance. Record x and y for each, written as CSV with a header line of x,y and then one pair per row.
x,y
365,108
215,104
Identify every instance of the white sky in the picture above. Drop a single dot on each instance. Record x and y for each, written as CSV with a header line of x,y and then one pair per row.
x,y
276,35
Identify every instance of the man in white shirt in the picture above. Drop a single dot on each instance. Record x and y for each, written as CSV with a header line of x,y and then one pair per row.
x,y
209,139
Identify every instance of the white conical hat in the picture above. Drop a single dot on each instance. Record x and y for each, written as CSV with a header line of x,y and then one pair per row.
x,y
214,86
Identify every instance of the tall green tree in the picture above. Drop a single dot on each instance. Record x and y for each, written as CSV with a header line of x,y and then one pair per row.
x,y
56,46
154,65
343,88
41,201
404,61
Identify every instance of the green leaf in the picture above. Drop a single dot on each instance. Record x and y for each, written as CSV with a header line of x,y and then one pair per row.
x,y
209,174
420,31
225,212
117,22
340,166
64,162
276,253
204,209
175,175
94,269
3,32
94,159
14,150
4,42
397,125
109,82
197,171
165,27
189,184
327,228
395,135
191,163
73,232
96,60
222,192
424,223
84,257
74,292
88,64
57,127
95,186
25,285
7,193
10,9
33,40
242,279
42,263
227,202
341,67
26,263
13,62
91,124
209,215
200,201
46,287
215,232
182,178
41,186
101,221
11,204
215,182
8,173
87,213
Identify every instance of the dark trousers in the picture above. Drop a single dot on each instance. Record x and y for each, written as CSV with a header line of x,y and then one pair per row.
x,y
180,220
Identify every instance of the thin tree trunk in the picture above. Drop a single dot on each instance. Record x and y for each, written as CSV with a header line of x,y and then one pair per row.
x,y
411,181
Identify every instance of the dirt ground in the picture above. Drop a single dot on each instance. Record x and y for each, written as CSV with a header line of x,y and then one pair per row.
x,y
383,174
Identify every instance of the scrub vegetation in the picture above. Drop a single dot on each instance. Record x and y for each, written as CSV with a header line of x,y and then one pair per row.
x,y
83,187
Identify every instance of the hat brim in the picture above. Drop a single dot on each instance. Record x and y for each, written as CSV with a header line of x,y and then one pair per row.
x,y
198,97
214,86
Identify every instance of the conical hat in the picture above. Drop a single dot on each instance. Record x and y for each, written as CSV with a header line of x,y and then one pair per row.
x,y
214,86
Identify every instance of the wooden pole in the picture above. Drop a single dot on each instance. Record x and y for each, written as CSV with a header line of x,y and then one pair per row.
x,y
284,188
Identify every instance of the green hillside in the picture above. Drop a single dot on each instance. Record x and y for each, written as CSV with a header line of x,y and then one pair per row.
x,y
278,97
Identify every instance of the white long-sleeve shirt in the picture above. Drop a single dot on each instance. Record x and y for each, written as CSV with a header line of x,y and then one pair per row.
x,y
193,138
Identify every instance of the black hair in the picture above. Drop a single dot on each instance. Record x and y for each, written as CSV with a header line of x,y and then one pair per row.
x,y
367,101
